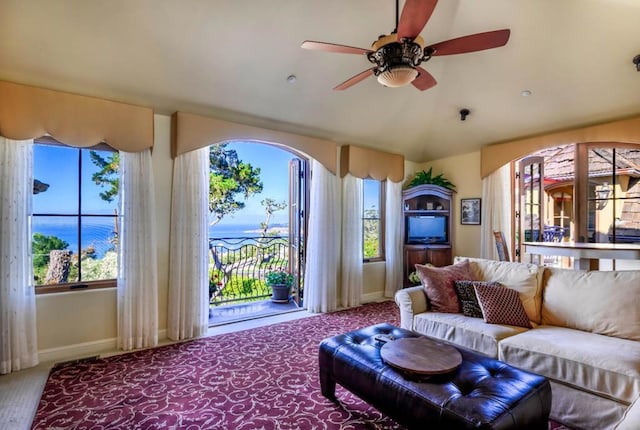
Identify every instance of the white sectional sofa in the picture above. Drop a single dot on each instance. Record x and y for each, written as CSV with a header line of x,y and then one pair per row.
x,y
585,336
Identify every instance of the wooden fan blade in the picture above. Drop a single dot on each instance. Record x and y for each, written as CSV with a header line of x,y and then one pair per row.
x,y
332,47
424,81
471,43
414,17
355,79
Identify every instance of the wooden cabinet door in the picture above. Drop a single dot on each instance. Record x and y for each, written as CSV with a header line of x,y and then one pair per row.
x,y
413,255
439,256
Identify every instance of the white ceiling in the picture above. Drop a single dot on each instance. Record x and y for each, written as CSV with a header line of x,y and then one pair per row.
x,y
231,58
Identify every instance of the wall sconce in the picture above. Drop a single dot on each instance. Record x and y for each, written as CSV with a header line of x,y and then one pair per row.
x,y
603,192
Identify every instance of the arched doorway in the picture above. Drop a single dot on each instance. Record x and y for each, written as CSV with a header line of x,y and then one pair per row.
x,y
257,225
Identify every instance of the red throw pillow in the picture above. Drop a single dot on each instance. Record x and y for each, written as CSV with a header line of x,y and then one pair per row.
x,y
468,298
501,305
439,284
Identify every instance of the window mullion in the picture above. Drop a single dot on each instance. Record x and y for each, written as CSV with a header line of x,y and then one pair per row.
x,y
79,215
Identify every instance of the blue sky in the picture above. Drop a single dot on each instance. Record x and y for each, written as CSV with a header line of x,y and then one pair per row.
x,y
58,167
371,198
274,173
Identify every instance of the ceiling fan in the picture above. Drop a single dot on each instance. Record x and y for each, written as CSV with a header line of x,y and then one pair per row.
x,y
397,56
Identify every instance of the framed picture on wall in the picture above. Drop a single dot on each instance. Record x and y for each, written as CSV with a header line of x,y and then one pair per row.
x,y
470,211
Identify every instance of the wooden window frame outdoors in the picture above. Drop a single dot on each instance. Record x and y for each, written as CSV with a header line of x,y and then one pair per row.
x,y
580,186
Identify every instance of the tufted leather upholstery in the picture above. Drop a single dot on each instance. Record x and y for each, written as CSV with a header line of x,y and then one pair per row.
x,y
483,393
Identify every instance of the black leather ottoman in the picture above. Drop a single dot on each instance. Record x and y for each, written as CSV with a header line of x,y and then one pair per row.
x,y
483,393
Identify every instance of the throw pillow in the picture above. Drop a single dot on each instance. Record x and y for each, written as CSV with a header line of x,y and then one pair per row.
x,y
501,305
468,299
525,278
438,283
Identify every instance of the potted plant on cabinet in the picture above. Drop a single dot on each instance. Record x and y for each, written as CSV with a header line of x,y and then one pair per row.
x,y
427,177
280,283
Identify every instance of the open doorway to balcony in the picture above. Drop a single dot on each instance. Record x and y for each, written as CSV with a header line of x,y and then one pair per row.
x,y
258,202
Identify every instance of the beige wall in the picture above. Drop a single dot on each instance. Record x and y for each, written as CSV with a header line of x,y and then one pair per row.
x,y
84,322
373,281
162,175
85,319
464,172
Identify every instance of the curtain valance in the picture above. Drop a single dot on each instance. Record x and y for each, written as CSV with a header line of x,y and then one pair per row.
x,y
370,163
190,132
28,112
494,156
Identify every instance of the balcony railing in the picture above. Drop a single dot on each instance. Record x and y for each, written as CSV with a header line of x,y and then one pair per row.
x,y
238,266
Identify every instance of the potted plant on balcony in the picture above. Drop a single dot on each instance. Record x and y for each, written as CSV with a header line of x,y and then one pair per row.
x,y
280,283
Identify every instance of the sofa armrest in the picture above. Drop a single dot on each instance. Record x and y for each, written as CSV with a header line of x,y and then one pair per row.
x,y
631,418
411,301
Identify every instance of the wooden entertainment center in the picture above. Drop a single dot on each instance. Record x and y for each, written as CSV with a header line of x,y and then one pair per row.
x,y
427,227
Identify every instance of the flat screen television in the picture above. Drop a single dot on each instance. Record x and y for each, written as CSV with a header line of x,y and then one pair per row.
x,y
426,229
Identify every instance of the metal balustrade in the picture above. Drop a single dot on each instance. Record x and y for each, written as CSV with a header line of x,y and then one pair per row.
x,y
238,266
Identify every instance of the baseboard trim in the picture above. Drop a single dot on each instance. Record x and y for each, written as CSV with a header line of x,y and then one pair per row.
x,y
372,297
85,349
77,350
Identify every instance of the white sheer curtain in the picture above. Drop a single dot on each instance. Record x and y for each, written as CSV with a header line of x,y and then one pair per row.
x,y
352,254
188,314
137,262
18,343
393,238
321,266
496,210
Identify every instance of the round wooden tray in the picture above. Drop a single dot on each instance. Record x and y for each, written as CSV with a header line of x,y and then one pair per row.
x,y
421,356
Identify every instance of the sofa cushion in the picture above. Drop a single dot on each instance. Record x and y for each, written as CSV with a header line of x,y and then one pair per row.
x,y
438,282
468,332
501,305
525,278
599,364
599,302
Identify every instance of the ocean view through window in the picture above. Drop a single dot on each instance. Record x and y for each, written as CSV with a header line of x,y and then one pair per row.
x,y
74,223
254,195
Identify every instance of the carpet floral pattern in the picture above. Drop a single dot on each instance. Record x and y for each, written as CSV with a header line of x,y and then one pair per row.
x,y
263,378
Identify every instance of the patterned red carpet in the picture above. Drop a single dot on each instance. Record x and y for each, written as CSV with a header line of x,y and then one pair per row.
x,y
264,378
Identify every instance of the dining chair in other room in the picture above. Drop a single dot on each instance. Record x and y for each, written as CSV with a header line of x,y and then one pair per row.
x,y
501,246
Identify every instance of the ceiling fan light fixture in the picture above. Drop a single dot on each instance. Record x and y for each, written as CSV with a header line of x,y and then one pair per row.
x,y
397,76
397,57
